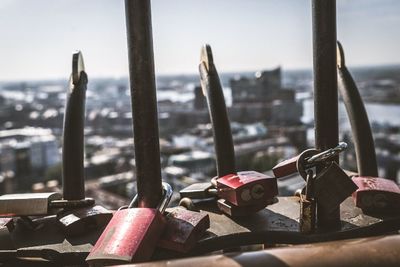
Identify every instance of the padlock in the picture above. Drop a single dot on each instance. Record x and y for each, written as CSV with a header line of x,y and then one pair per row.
x,y
377,195
183,229
306,160
286,167
308,206
332,186
295,164
199,191
131,235
79,221
27,204
240,211
247,188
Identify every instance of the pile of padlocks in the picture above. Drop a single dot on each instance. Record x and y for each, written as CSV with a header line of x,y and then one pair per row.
x,y
132,233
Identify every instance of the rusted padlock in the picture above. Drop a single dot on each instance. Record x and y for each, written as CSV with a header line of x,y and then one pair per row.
x,y
332,186
306,160
183,229
308,206
247,188
131,235
377,195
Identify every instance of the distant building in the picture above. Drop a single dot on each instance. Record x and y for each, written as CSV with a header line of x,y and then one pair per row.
x,y
194,161
264,87
28,153
262,98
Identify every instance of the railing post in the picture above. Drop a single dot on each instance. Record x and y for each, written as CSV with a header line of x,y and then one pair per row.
x,y
73,138
144,102
325,90
358,117
212,89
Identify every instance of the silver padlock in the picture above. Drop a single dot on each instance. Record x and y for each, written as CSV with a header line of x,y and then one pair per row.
x,y
27,204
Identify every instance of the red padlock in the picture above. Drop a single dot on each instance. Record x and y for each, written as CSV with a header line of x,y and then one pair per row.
x,y
247,188
376,194
131,235
184,228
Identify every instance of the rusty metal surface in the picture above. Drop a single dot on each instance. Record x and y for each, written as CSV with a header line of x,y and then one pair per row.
x,y
325,90
144,103
278,223
358,117
366,252
212,89
73,139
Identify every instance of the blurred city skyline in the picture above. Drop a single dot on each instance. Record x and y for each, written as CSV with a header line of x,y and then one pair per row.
x,y
38,37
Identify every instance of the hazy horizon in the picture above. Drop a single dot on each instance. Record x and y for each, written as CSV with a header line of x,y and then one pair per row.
x,y
351,68
38,37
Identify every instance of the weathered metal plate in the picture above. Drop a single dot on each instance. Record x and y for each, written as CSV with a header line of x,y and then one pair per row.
x,y
278,223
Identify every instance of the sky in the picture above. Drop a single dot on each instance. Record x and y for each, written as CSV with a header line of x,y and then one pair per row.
x,y
37,38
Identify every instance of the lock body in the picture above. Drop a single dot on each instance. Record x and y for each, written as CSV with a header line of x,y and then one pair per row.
x,y
247,188
130,236
183,229
307,215
83,220
377,194
332,187
285,167
27,204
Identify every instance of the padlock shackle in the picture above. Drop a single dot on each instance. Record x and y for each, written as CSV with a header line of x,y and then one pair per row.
x,y
166,198
212,90
144,102
358,117
325,155
73,132
309,185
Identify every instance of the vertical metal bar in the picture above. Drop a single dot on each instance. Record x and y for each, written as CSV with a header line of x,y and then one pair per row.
x,y
73,138
325,90
212,89
360,127
144,102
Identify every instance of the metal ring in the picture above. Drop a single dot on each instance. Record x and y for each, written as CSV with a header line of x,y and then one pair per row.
x,y
327,154
300,164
